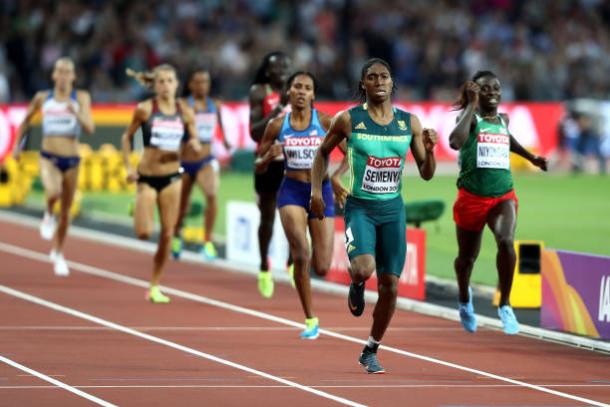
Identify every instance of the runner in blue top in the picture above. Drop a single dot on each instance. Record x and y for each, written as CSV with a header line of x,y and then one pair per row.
x,y
201,168
299,134
65,111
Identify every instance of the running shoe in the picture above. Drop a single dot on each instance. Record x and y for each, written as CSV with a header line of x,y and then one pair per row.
x,y
467,315
312,329
509,320
265,284
368,360
176,247
208,251
60,267
290,271
155,295
355,299
47,226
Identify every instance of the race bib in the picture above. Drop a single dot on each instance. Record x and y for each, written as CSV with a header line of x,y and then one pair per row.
x,y
382,175
166,134
206,124
493,151
59,121
300,151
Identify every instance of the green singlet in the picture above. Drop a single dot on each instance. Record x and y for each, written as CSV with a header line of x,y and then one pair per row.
x,y
485,159
376,154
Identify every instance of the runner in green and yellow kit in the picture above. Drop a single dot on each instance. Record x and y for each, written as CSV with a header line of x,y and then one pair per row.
x,y
378,138
486,194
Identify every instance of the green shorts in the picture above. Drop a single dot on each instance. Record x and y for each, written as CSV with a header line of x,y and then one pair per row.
x,y
377,228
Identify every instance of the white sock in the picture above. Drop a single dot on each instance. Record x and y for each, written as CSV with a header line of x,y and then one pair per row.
x,y
372,344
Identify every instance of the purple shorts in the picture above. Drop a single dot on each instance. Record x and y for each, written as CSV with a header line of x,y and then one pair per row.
x,y
293,192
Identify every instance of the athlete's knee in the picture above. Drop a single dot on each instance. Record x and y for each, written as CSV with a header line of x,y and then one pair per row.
x,y
362,269
505,243
462,263
388,287
300,254
321,268
143,234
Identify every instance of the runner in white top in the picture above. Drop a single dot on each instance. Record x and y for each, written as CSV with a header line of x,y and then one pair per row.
x,y
65,111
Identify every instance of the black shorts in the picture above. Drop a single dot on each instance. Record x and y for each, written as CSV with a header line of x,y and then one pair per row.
x,y
270,180
159,182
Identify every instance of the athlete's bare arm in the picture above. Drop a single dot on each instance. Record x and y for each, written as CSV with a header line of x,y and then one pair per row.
x,y
188,117
140,115
269,149
339,130
33,108
225,141
84,113
517,148
459,135
422,147
258,122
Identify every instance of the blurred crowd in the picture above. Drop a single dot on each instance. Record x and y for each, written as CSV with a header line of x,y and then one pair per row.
x,y
541,50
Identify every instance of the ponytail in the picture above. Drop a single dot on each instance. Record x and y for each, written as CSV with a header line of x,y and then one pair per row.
x,y
147,78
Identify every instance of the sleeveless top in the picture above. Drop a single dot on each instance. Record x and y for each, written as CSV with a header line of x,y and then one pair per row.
x,y
164,132
376,154
300,146
485,159
271,100
57,120
205,120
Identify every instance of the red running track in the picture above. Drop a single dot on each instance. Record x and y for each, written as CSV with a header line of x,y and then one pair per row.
x,y
137,353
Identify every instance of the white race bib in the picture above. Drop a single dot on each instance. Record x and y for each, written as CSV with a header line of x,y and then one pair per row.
x,y
166,134
300,151
206,124
493,151
382,175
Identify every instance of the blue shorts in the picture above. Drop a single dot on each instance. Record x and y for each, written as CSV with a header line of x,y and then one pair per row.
x,y
293,192
62,163
192,168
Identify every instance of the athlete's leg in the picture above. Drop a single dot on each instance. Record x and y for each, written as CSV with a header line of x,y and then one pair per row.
x,y
322,239
267,202
51,178
294,221
387,287
502,220
208,179
169,206
144,213
69,185
185,200
469,245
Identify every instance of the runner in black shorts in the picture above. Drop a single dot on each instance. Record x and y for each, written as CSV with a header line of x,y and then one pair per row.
x,y
165,123
267,101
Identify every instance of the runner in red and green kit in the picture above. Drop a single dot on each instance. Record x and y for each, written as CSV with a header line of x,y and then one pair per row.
x,y
378,138
486,195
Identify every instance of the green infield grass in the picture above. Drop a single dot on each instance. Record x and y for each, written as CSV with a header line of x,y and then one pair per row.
x,y
564,211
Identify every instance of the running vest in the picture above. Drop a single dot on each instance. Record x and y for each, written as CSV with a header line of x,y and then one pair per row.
x,y
485,159
57,120
205,120
300,147
271,100
376,154
164,132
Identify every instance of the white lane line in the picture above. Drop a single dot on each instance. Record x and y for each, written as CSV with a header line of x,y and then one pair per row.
x,y
20,251
154,339
329,386
203,328
403,303
56,382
